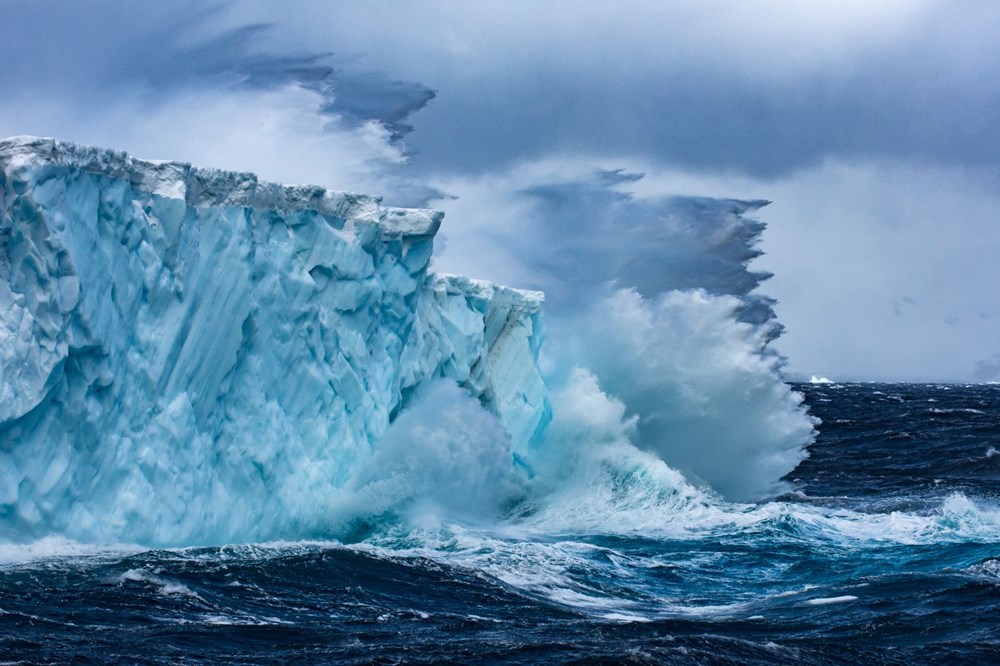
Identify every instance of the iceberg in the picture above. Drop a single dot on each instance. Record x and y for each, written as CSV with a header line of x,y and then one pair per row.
x,y
196,356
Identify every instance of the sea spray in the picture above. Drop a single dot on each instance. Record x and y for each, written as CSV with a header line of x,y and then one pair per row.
x,y
658,299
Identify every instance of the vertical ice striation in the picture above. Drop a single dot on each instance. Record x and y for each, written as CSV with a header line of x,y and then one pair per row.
x,y
193,356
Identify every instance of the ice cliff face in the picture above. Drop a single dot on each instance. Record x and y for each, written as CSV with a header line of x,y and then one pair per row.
x,y
192,355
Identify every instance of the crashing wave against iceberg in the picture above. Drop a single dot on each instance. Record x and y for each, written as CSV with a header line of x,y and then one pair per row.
x,y
195,356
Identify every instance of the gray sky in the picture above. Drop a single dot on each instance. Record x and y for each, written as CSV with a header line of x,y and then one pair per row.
x,y
872,126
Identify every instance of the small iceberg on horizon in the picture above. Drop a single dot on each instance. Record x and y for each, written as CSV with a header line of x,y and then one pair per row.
x,y
820,380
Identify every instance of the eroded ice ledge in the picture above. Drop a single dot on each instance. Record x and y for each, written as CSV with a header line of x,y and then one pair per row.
x,y
205,188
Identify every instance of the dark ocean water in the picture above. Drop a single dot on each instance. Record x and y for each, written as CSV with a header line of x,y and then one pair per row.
x,y
888,552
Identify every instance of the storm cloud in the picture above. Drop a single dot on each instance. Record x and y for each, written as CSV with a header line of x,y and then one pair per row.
x,y
762,88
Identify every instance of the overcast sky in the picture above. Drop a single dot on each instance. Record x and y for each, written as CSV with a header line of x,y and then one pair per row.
x,y
872,126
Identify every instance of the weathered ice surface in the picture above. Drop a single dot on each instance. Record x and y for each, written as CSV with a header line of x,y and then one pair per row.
x,y
194,356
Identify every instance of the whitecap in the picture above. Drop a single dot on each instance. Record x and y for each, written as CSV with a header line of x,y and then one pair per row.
x,y
625,618
52,547
824,601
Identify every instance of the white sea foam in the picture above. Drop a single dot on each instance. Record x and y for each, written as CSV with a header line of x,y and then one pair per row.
x,y
826,601
625,618
988,570
163,586
960,410
792,593
61,548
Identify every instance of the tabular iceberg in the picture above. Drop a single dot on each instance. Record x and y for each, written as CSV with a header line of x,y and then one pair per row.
x,y
195,356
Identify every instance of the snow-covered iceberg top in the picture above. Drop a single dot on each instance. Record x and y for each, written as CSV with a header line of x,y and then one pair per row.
x,y
214,187
195,356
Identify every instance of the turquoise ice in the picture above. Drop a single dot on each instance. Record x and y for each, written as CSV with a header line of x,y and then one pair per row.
x,y
195,356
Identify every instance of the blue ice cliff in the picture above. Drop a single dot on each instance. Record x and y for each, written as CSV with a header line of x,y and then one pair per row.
x,y
192,356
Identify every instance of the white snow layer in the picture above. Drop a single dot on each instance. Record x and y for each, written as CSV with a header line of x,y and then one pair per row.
x,y
195,356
